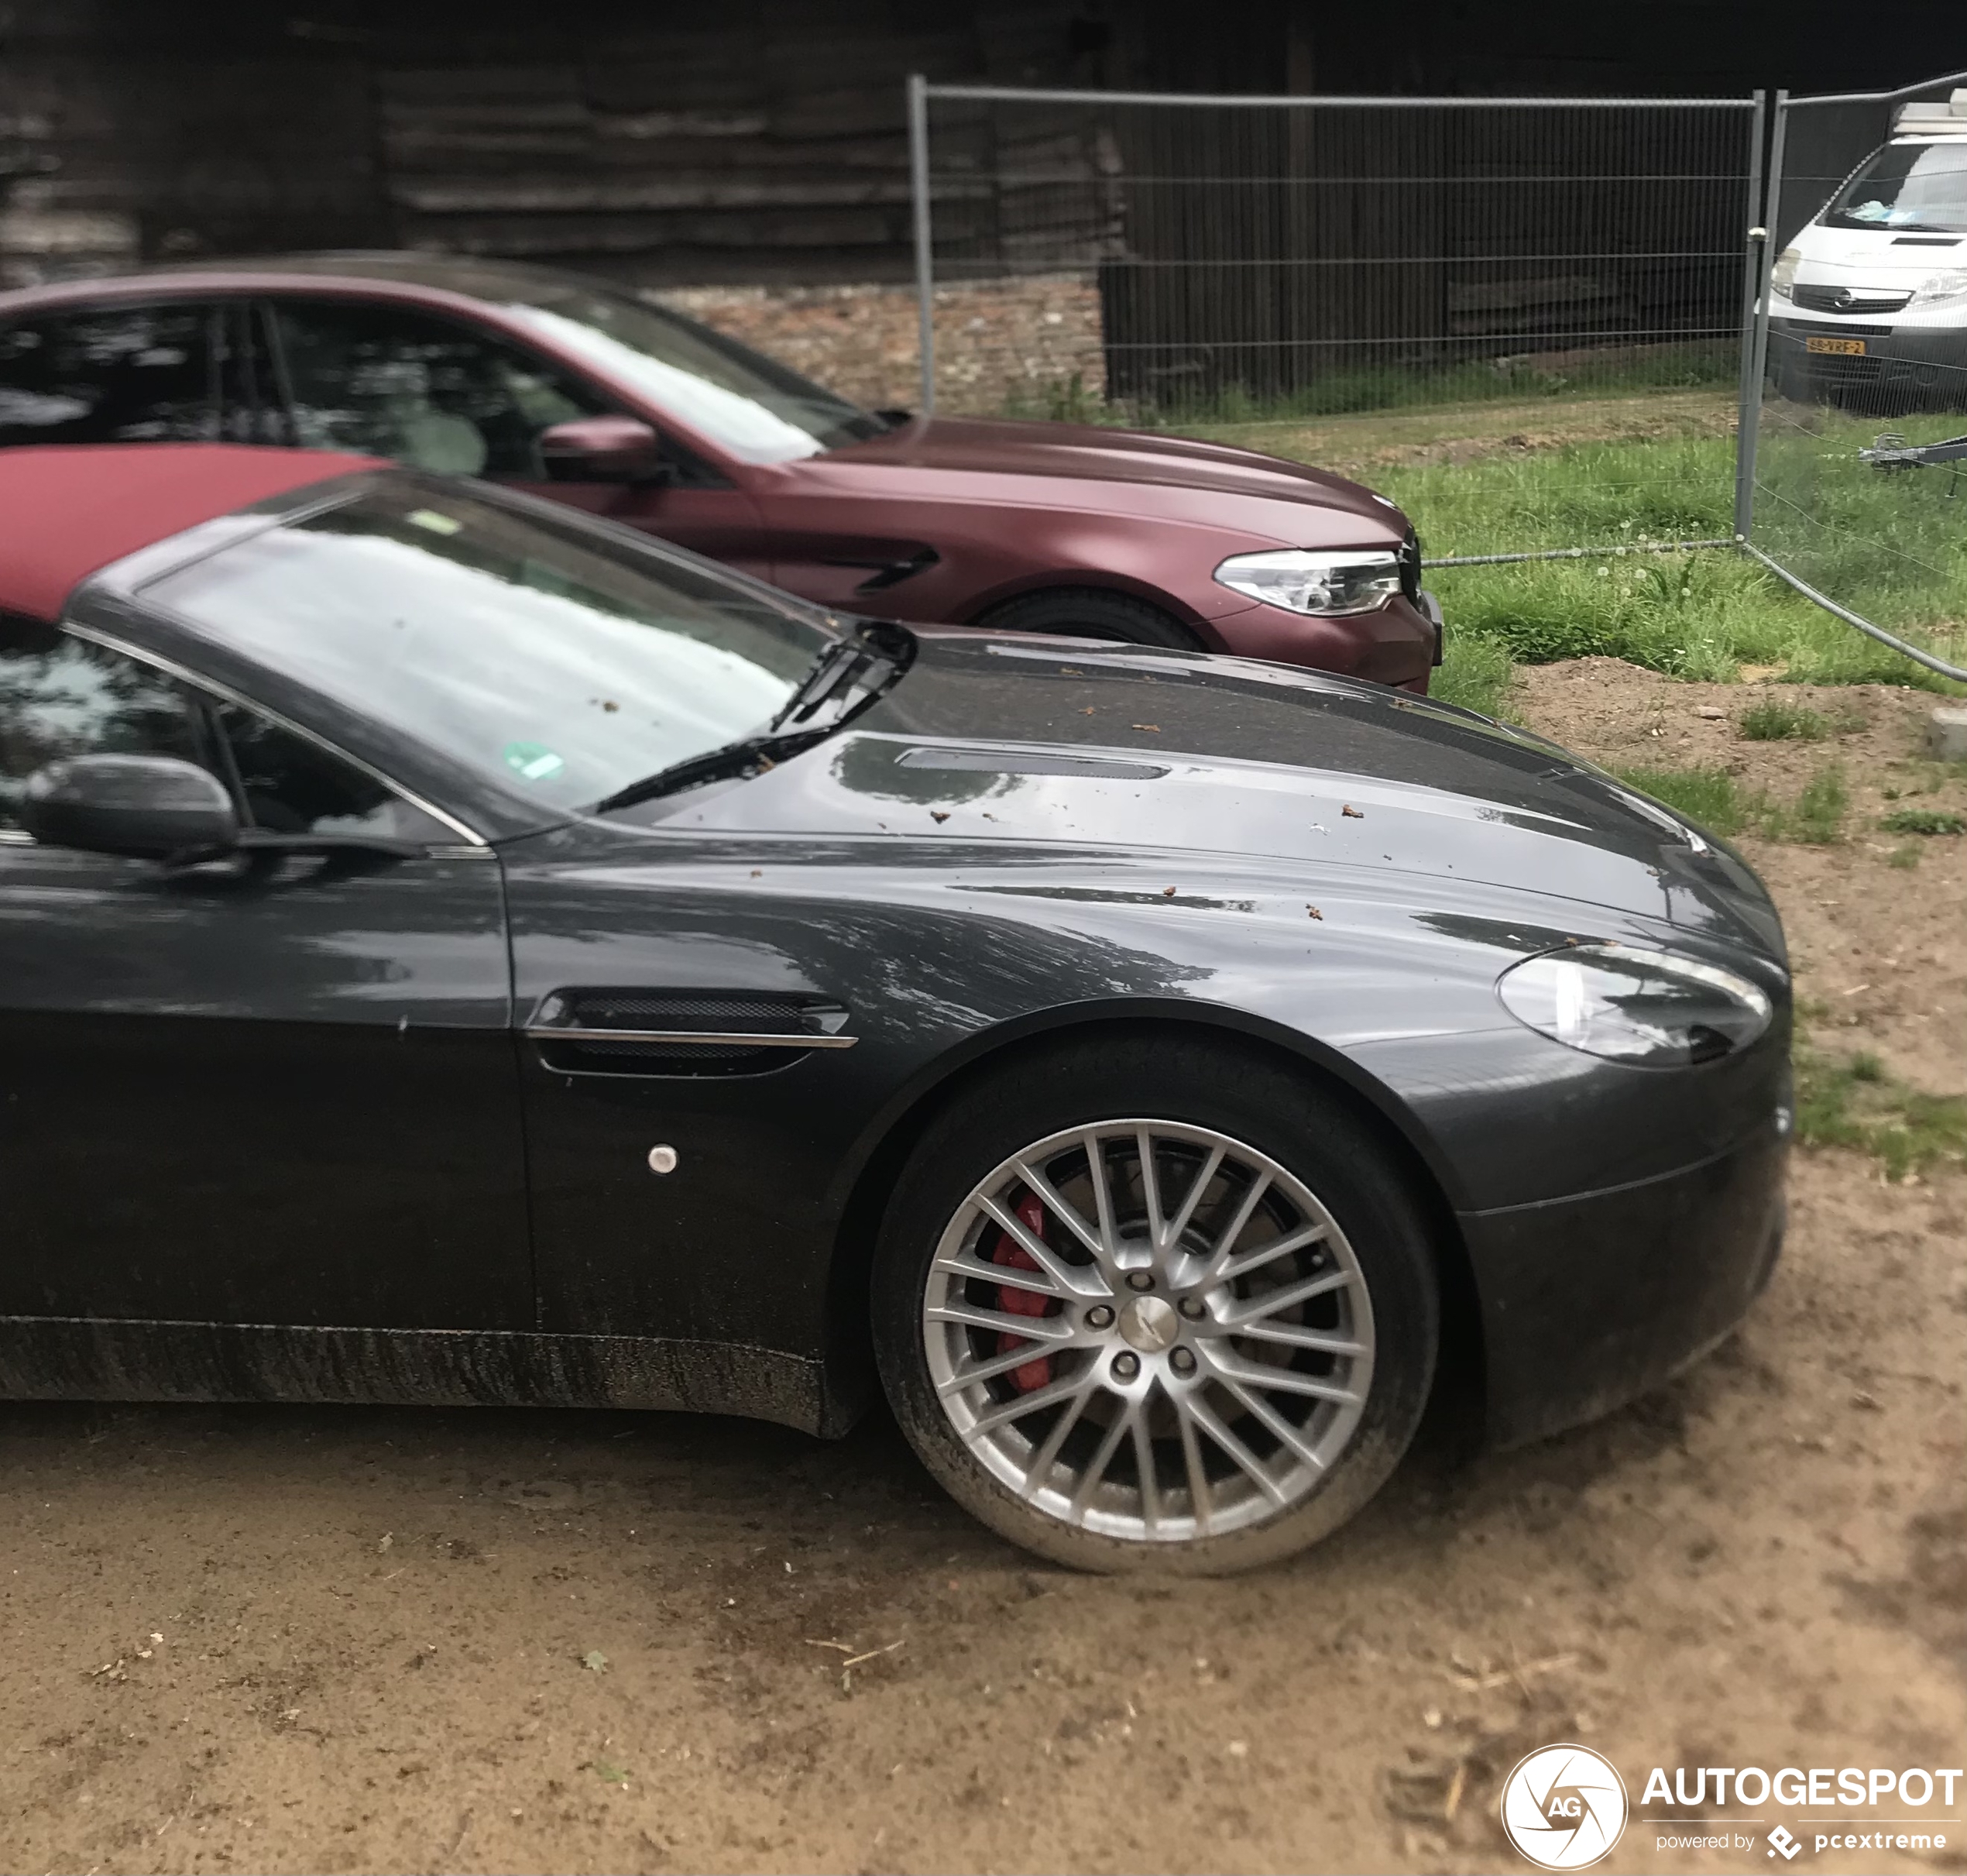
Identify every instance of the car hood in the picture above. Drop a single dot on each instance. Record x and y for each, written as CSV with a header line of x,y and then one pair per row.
x,y
1087,466
1182,765
1878,257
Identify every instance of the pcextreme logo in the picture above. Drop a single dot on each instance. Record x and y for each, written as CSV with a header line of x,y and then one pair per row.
x,y
1564,1807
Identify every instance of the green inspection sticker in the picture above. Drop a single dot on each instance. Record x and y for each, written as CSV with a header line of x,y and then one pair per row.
x,y
533,760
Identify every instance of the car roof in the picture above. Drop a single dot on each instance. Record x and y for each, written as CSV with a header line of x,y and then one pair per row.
x,y
394,273
72,509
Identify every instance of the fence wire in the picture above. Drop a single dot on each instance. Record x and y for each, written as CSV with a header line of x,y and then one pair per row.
x,y
1859,502
1569,270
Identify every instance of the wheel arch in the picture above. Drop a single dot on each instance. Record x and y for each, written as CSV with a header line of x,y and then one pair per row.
x,y
868,1175
1071,580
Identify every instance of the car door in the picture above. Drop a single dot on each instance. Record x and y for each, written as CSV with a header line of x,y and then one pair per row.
x,y
679,1180
393,380
278,1091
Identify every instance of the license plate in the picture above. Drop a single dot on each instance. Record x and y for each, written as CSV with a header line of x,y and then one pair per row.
x,y
1845,348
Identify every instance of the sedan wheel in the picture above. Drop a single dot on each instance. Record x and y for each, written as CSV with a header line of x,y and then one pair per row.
x,y
1149,1341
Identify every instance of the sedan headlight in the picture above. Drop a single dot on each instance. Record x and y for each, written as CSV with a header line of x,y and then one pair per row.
x,y
1642,1007
1783,276
1307,580
1942,290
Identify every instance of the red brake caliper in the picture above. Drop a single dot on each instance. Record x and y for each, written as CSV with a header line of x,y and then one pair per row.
x,y
1027,1377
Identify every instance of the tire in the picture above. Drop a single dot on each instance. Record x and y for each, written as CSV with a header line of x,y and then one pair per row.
x,y
1352,1407
1088,612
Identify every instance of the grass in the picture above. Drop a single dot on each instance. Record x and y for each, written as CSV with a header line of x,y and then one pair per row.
x,y
1893,547
1611,374
1711,796
1772,720
1852,1101
1474,673
1715,799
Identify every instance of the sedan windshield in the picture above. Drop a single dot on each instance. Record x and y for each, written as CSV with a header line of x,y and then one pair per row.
x,y
527,649
1918,188
752,406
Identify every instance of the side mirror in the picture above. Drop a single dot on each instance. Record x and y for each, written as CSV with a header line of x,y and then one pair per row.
x,y
140,807
603,449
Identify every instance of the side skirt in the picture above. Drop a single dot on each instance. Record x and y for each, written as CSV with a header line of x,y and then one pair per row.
x,y
72,1358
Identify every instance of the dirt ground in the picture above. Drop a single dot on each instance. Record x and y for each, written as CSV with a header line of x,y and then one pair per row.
x,y
296,1640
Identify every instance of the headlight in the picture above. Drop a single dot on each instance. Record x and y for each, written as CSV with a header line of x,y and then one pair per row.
x,y
1783,276
1303,580
1642,1007
1942,290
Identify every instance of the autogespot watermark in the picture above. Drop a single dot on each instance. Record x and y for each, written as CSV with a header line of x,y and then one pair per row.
x,y
1565,1807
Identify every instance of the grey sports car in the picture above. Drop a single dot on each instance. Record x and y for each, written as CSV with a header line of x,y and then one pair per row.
x,y
452,949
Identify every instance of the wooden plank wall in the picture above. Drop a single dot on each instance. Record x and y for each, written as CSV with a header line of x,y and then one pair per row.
x,y
758,140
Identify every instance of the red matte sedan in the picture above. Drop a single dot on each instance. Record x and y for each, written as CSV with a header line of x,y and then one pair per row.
x,y
582,392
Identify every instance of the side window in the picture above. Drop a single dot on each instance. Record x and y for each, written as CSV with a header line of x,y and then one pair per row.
x,y
391,381
290,785
62,696
126,374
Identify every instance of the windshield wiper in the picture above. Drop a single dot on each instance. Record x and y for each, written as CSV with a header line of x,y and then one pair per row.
x,y
833,672
751,755
834,689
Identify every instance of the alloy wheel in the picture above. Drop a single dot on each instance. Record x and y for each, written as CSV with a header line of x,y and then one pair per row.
x,y
1149,1330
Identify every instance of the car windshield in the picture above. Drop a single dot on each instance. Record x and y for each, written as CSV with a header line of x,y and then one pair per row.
x,y
1918,188
748,404
556,658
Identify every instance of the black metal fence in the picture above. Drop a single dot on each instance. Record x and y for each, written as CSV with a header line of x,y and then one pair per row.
x,y
1329,251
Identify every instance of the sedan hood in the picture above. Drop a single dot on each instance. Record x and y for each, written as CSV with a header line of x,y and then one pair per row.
x,y
1188,763
1086,466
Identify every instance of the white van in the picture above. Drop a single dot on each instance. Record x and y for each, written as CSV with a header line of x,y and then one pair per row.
x,y
1868,304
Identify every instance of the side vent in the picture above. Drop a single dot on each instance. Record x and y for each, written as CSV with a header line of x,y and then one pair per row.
x,y
600,1032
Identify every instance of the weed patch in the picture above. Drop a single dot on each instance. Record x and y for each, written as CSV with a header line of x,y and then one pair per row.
x,y
1773,721
1818,818
1714,799
1852,1101
1923,820
1711,796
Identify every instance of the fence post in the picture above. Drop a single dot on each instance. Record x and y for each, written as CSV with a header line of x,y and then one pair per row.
x,y
925,266
1758,360
1754,312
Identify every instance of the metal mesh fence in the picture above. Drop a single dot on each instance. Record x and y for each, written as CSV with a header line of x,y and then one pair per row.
x,y
1363,263
1857,497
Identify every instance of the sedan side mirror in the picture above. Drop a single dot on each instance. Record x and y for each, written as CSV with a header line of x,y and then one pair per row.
x,y
603,449
140,807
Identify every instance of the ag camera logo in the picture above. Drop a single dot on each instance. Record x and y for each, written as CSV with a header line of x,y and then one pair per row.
x,y
1565,1807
